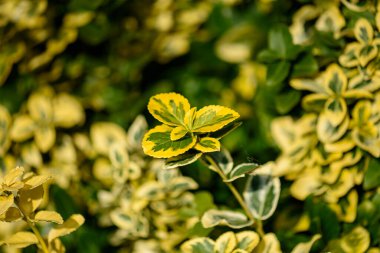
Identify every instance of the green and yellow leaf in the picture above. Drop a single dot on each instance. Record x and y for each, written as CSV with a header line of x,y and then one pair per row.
x,y
40,107
327,132
232,219
349,57
182,160
241,170
212,118
67,110
363,31
157,143
225,243
335,81
305,247
178,133
366,53
247,240
358,240
169,108
198,245
207,144
105,134
336,110
118,155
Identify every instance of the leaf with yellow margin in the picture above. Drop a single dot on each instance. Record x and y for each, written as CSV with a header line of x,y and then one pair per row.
x,y
207,144
178,133
247,240
67,110
212,118
157,143
169,108
305,247
225,243
358,240
196,245
349,57
363,31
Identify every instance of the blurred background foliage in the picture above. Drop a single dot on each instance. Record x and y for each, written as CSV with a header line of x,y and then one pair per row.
x,y
69,65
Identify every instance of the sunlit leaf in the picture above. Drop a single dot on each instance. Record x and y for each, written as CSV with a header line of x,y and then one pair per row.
x,y
169,108
232,219
5,203
30,200
69,226
178,133
49,216
207,144
21,240
212,118
157,143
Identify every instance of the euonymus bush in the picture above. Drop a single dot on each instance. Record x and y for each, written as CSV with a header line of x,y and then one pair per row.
x,y
263,126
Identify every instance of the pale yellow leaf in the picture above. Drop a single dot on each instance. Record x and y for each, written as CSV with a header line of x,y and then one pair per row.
x,y
45,137
68,112
23,128
5,203
49,216
30,200
21,240
69,226
225,243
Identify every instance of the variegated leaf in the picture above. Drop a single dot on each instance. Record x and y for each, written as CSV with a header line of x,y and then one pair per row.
x,y
225,130
179,185
157,143
178,133
118,155
169,108
40,107
349,57
303,186
232,219
69,226
21,240
363,31
247,240
358,240
49,216
212,118
225,243
335,81
105,134
136,131
366,53
207,144
327,132
269,243
198,245
336,110
151,190
314,102
261,195
305,247
45,137
241,170
182,160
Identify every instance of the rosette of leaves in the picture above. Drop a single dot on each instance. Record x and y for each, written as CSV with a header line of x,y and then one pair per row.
x,y
186,132
21,194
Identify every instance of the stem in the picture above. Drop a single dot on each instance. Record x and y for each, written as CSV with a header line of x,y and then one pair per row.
x,y
36,232
257,223
38,235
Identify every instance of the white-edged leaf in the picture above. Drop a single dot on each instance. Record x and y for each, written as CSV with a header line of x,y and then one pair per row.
x,y
241,170
232,219
223,159
261,195
198,245
182,160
